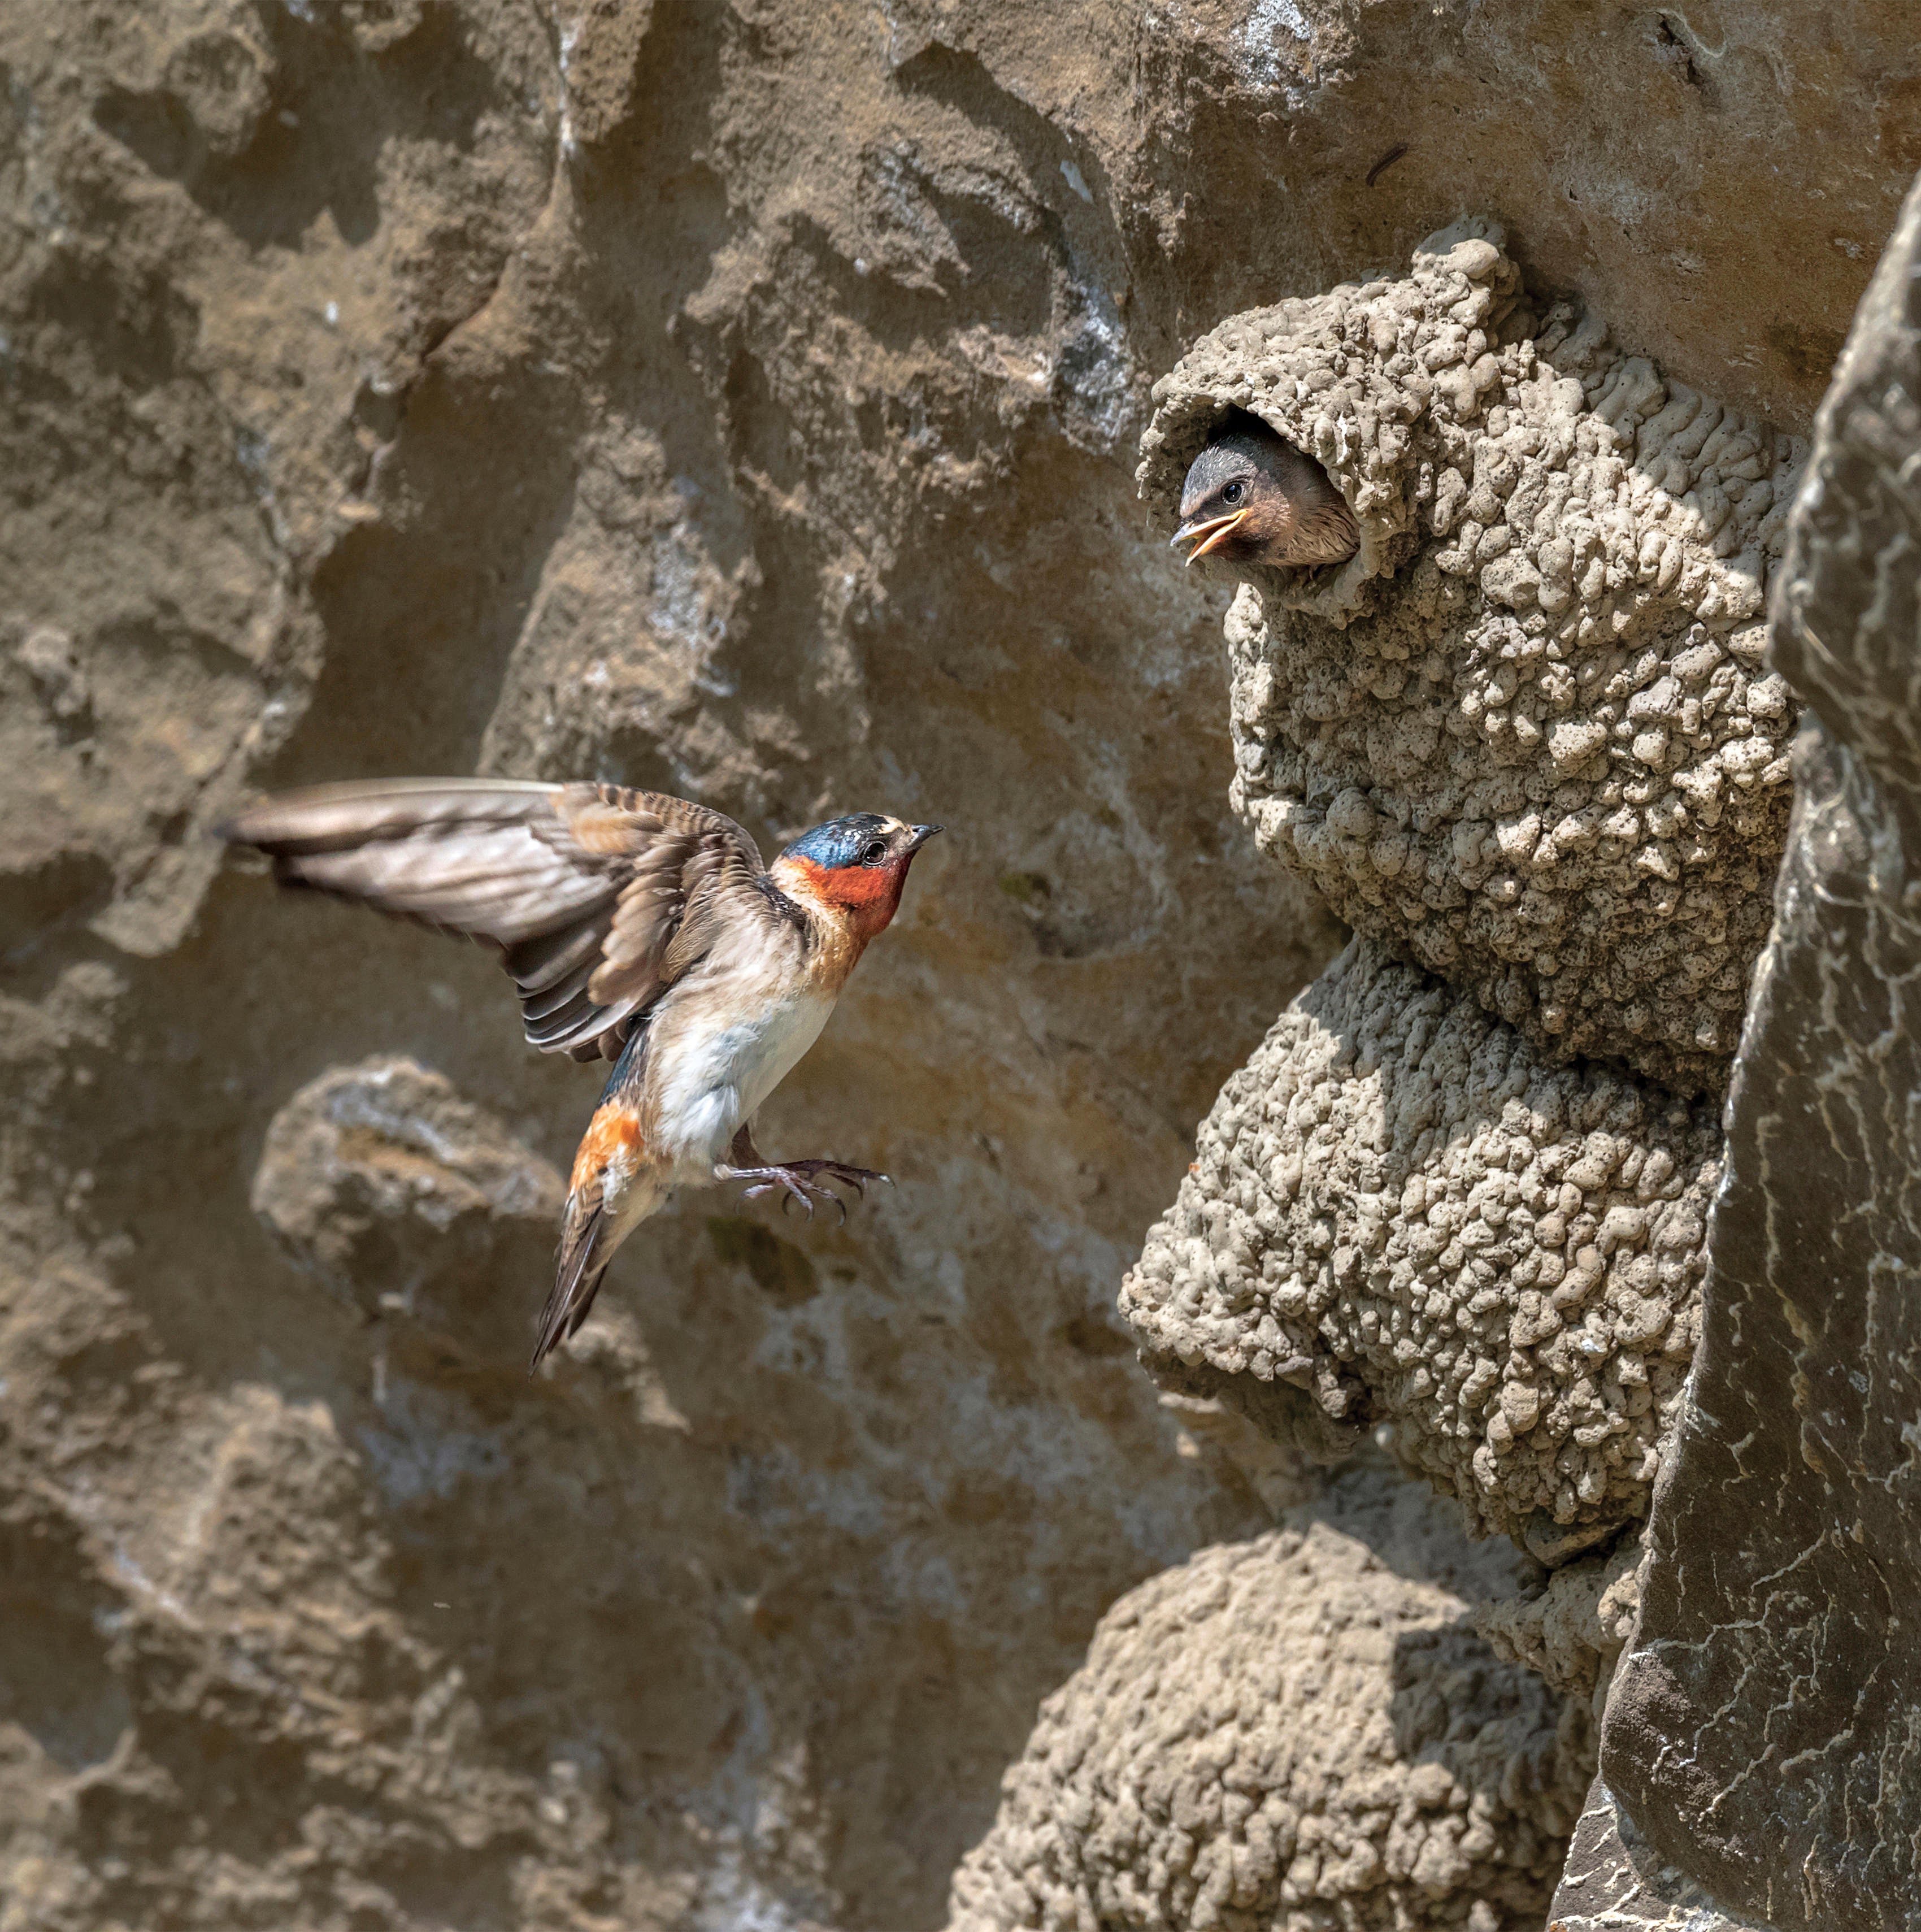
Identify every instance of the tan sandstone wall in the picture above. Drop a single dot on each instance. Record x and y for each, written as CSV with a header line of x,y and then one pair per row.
x,y
742,399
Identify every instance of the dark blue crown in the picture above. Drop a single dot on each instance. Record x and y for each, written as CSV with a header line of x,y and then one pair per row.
x,y
840,842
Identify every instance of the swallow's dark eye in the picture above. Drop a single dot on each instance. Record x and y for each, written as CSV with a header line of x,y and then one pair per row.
x,y
1233,493
875,853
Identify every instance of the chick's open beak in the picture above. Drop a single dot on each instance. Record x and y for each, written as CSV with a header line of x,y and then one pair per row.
x,y
1216,534
922,833
1212,532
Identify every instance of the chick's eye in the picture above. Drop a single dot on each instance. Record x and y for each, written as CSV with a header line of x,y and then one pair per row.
x,y
1233,493
874,852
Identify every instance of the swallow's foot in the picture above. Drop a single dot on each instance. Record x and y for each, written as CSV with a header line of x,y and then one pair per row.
x,y
802,1180
857,1178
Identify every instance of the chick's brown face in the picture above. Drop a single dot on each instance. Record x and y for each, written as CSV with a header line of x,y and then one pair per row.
x,y
1252,498
1232,505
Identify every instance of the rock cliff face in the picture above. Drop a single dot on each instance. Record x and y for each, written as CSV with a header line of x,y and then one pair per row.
x,y
1769,1703
742,401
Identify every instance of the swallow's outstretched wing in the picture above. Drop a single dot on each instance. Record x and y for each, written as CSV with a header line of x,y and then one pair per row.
x,y
597,898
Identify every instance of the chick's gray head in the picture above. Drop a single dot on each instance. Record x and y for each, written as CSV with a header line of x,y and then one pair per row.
x,y
1252,498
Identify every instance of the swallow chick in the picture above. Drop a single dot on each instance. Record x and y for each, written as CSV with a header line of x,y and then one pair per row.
x,y
1252,498
639,929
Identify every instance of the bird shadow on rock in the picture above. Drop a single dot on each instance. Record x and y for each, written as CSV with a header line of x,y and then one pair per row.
x,y
57,1684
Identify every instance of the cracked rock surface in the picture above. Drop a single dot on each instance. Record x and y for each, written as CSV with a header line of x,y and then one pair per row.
x,y
1615,1882
1762,1731
1396,1207
1301,1733
1524,736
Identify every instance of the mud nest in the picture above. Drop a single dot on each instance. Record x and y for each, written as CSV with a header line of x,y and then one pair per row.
x,y
1524,736
1292,1734
1400,1209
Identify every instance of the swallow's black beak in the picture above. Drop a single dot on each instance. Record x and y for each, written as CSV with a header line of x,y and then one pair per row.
x,y
922,833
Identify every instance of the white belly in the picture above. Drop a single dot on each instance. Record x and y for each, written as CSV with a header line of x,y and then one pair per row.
x,y
709,1075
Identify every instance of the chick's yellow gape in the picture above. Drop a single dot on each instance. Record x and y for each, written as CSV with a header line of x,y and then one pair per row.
x,y
639,929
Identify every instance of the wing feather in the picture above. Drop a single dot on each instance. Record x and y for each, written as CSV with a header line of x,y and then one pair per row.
x,y
544,1003
538,965
597,898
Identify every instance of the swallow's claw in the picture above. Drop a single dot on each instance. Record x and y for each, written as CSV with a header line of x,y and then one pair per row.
x,y
802,1180
855,1178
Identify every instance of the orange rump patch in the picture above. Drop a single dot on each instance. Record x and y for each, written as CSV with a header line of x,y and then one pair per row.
x,y
612,1133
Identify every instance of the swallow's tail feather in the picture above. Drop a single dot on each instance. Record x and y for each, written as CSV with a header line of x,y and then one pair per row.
x,y
614,1187
585,1251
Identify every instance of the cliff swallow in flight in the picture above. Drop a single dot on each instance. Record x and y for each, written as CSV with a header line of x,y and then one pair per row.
x,y
1251,498
638,928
